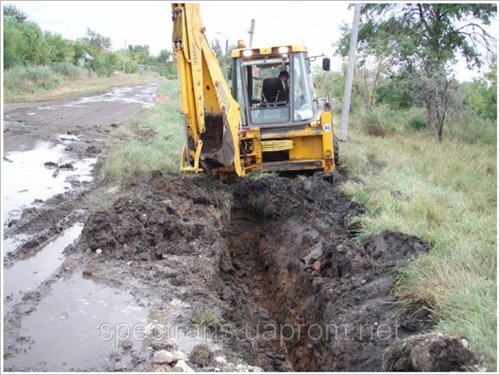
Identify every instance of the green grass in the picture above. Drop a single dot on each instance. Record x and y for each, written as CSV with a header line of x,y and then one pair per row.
x,y
151,141
201,355
69,70
445,194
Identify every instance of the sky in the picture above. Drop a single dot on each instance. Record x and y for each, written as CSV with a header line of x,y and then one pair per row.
x,y
313,23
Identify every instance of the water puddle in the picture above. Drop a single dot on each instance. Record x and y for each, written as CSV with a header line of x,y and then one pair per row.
x,y
26,179
33,268
81,322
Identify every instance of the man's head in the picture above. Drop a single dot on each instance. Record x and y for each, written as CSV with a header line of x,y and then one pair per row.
x,y
284,75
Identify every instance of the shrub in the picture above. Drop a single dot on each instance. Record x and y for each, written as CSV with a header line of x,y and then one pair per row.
x,y
68,70
201,355
30,78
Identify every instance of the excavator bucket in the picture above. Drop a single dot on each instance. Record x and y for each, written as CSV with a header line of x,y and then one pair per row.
x,y
218,146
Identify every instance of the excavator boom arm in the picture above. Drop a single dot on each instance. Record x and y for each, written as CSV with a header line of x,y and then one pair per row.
x,y
212,116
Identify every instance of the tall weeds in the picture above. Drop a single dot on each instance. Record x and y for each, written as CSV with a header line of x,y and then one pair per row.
x,y
29,79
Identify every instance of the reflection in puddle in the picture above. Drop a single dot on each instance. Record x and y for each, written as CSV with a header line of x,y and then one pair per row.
x,y
26,178
36,266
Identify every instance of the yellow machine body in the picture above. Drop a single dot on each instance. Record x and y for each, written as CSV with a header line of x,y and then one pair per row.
x,y
237,128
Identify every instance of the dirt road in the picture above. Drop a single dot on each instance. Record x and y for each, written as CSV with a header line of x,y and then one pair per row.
x,y
186,274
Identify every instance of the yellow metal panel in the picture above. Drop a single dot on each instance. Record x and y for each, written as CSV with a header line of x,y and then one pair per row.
x,y
307,148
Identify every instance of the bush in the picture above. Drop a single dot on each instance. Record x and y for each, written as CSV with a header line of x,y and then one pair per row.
x,y
106,64
68,70
30,78
378,122
201,355
471,128
382,121
416,119
131,66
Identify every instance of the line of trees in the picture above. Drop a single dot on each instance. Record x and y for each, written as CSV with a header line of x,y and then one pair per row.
x,y
25,43
407,53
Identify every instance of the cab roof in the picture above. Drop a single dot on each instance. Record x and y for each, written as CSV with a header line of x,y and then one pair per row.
x,y
271,50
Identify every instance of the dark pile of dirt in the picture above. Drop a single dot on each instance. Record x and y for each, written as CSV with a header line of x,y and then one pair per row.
x,y
170,236
274,255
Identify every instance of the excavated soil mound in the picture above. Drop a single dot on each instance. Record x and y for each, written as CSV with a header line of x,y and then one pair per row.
x,y
275,257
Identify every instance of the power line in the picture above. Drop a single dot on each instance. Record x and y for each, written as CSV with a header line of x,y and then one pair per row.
x,y
279,15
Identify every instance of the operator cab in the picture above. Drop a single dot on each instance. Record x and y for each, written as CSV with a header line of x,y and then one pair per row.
x,y
264,101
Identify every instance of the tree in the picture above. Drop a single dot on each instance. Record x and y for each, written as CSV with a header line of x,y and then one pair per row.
x,y
11,12
165,56
481,94
140,55
97,43
59,49
107,64
166,64
217,48
425,41
37,51
14,44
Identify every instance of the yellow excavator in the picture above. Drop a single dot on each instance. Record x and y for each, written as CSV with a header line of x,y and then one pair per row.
x,y
256,122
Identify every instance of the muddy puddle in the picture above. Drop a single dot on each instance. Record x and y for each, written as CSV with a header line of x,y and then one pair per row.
x,y
82,325
144,95
33,268
63,333
31,177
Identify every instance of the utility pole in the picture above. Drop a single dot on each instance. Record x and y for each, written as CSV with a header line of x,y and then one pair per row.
x,y
227,39
124,53
252,25
350,73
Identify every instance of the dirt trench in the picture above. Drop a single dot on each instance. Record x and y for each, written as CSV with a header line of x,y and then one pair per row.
x,y
275,257
310,298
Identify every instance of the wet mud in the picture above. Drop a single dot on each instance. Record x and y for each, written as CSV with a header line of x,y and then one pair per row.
x,y
193,274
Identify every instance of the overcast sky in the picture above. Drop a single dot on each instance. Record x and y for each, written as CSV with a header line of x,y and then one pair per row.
x,y
313,23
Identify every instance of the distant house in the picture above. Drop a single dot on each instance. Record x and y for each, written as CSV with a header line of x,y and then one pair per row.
x,y
84,60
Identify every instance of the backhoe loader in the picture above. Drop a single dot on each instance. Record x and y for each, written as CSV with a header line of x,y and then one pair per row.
x,y
254,122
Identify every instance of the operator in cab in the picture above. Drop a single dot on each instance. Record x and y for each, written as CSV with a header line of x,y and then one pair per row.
x,y
285,76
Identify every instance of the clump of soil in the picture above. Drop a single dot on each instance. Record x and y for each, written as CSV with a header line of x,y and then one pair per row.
x,y
275,256
431,352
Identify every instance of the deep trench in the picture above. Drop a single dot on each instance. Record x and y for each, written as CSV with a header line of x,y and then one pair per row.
x,y
302,294
272,292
